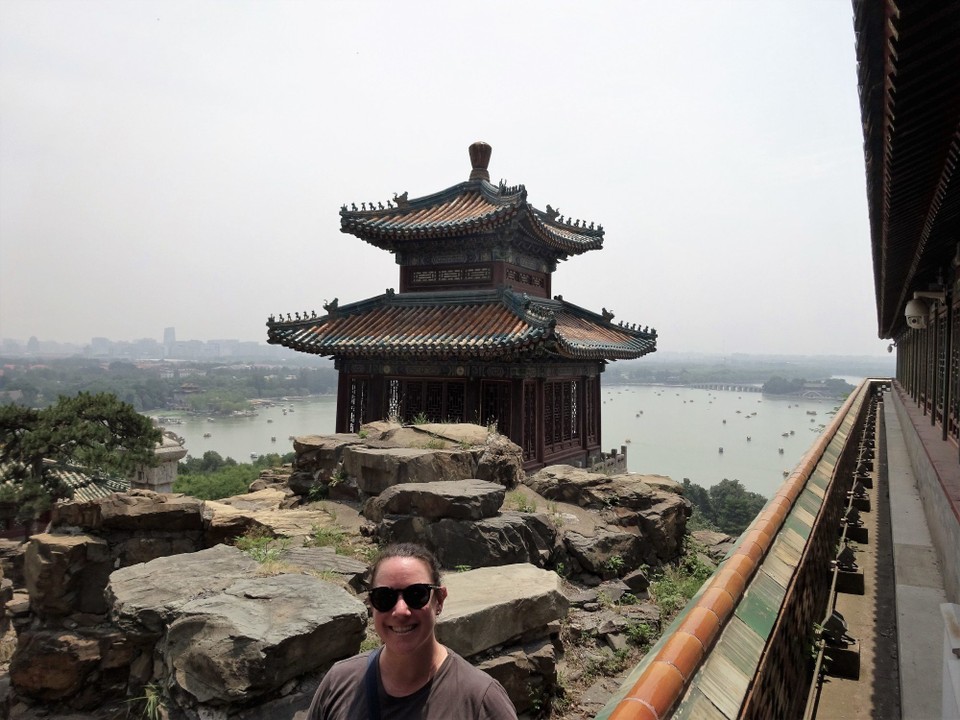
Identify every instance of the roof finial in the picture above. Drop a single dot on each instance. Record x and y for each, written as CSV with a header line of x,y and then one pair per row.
x,y
479,159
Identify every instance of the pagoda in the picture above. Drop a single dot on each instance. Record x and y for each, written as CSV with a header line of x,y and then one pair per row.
x,y
473,335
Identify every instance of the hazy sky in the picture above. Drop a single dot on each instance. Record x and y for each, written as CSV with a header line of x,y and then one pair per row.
x,y
183,163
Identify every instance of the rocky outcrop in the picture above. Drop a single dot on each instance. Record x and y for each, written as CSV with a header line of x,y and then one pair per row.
x,y
460,500
317,462
493,606
460,522
67,574
138,526
646,520
376,469
383,454
135,591
225,636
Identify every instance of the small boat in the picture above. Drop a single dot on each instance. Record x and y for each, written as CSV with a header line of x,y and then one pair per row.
x,y
206,435
748,438
269,421
720,451
780,450
274,439
254,456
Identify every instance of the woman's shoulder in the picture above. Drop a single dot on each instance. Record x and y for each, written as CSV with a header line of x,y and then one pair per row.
x,y
476,688
349,667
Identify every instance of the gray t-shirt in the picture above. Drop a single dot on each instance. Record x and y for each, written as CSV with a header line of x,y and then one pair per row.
x,y
458,691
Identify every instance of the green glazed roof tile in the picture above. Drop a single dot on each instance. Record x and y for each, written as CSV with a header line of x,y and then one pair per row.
x,y
697,706
726,675
761,603
778,564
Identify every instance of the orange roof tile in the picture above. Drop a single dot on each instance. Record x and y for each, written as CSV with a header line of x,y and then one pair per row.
x,y
483,324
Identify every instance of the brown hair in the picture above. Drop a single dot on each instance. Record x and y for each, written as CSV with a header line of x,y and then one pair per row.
x,y
410,550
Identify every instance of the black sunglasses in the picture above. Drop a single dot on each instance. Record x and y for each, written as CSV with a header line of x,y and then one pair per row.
x,y
414,596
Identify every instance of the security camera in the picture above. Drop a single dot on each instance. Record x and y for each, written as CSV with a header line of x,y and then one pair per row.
x,y
916,314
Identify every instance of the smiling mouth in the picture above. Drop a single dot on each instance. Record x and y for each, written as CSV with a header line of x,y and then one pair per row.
x,y
403,630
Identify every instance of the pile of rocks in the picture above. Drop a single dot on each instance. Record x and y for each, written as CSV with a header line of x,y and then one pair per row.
x,y
136,591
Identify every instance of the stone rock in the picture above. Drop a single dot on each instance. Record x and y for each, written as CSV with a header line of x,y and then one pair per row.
x,y
414,436
613,590
376,429
52,665
226,522
137,510
376,469
528,673
511,537
627,500
82,667
6,592
662,482
461,433
607,554
323,560
637,581
490,606
133,548
144,599
317,459
11,560
67,573
457,499
259,633
19,603
501,461
717,544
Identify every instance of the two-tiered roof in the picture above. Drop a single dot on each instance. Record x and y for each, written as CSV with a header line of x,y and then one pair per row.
x,y
473,333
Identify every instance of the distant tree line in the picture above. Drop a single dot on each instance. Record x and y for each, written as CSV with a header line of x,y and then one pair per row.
x,y
834,387
212,476
214,387
727,506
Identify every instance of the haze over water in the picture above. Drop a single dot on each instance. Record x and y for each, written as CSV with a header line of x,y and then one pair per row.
x,y
672,431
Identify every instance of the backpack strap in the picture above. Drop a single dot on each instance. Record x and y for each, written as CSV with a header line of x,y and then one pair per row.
x,y
370,683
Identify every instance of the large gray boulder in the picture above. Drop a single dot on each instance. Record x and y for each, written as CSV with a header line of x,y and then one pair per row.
x,y
137,510
493,606
66,574
257,634
501,461
226,636
510,537
654,510
317,459
458,499
376,469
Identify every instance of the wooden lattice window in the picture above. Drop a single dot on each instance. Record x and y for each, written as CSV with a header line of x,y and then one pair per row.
x,y
561,421
530,424
432,400
591,415
359,399
495,405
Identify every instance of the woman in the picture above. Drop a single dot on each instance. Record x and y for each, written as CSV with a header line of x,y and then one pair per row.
x,y
411,675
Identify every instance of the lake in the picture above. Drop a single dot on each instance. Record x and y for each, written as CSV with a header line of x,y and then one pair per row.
x,y
672,431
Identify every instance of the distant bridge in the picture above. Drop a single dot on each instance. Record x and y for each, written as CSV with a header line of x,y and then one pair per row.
x,y
734,387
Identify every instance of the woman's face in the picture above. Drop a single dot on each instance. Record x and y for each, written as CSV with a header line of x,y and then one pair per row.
x,y
404,630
